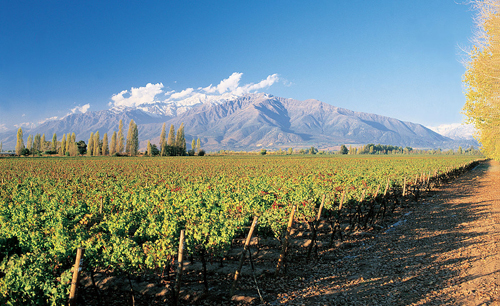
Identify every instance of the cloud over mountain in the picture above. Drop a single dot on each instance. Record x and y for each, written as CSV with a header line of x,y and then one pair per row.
x,y
80,109
227,87
137,96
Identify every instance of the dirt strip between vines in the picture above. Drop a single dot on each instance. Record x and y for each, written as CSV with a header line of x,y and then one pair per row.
x,y
447,252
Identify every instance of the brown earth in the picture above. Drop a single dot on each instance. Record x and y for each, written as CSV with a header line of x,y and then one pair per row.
x,y
442,250
446,253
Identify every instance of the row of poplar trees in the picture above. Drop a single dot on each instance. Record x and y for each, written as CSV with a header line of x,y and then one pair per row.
x,y
118,145
482,78
37,144
174,145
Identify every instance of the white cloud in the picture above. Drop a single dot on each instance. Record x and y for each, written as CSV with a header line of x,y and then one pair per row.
x,y
137,96
183,94
270,80
229,84
3,128
80,109
227,87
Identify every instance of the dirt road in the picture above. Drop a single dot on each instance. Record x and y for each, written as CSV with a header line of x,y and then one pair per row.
x,y
445,252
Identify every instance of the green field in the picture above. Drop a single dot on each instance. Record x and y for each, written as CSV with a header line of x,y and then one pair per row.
x,y
128,212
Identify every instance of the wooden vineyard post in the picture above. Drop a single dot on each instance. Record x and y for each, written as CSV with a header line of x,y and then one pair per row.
x,y
180,261
285,241
387,187
320,208
341,201
100,207
404,187
76,276
242,256
314,227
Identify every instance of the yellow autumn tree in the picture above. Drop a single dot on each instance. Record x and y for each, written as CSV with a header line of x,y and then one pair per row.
x,y
482,78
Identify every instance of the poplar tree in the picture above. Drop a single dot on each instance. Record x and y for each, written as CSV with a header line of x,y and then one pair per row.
x,y
42,143
20,142
135,144
90,147
163,135
481,79
112,146
120,138
0,147
198,145
132,145
29,144
37,144
149,148
105,144
54,142
73,149
62,149
171,136
97,141
68,143
180,141
193,144
169,148
73,137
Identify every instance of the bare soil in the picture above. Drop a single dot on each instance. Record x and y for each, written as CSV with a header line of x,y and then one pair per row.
x,y
446,253
441,250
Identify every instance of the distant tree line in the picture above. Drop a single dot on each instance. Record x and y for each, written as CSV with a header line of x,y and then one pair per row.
x,y
174,145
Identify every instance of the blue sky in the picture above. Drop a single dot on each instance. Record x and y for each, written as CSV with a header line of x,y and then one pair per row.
x,y
398,58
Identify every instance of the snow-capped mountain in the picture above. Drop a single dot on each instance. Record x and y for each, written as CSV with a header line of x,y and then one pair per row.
x,y
177,107
247,122
455,131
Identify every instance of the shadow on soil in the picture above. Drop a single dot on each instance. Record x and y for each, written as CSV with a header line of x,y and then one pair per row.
x,y
401,267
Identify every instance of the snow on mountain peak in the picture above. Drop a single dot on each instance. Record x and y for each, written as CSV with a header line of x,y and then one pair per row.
x,y
455,130
146,98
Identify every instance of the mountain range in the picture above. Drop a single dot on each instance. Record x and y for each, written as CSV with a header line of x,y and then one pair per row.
x,y
248,123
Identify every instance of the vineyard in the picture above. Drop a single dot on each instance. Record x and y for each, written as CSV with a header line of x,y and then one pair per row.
x,y
128,213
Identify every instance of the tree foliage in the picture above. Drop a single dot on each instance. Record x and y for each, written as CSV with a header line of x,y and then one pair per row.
x,y
163,135
54,142
120,138
482,78
90,146
62,148
105,148
43,145
132,146
112,146
97,141
20,142
29,144
37,144
343,150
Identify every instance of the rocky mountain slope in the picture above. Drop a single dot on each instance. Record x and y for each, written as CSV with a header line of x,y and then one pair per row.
x,y
249,122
